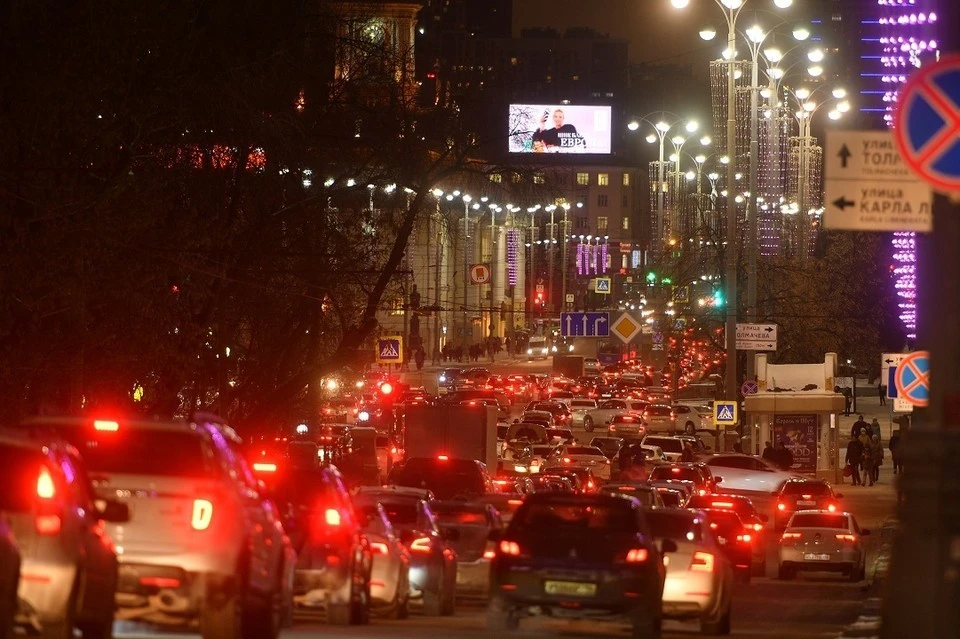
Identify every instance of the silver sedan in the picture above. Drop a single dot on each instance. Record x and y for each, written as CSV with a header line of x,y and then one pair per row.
x,y
820,540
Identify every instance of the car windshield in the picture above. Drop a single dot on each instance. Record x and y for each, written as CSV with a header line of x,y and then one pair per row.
x,y
805,488
583,450
575,518
818,521
676,472
677,526
666,444
143,451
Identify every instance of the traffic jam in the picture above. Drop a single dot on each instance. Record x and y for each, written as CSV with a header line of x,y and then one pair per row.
x,y
491,494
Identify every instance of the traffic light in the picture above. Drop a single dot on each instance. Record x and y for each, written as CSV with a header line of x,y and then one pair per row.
x,y
652,277
718,298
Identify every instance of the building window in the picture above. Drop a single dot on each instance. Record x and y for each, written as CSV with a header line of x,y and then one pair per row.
x,y
581,223
538,178
583,179
601,224
626,179
496,178
603,179
515,178
624,201
625,224
602,200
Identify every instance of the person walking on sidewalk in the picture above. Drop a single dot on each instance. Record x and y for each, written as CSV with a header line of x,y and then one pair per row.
x,y
876,448
875,429
869,460
895,452
882,391
854,458
859,427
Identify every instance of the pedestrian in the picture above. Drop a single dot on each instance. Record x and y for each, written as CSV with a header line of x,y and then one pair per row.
x,y
848,401
869,460
783,458
895,452
768,452
875,429
876,449
882,391
420,357
687,454
854,458
860,426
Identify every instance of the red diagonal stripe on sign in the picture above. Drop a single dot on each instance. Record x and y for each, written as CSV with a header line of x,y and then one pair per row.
x,y
923,379
951,129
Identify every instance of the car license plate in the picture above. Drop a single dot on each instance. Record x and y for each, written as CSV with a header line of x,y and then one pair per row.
x,y
812,556
571,588
806,503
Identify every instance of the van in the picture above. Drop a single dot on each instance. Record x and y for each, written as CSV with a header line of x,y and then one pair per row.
x,y
537,347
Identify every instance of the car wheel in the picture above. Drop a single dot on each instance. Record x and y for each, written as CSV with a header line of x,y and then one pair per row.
x,y
720,626
265,618
448,600
785,573
588,424
501,617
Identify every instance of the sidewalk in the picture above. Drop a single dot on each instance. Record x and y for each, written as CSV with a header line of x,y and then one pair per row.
x,y
869,406
867,624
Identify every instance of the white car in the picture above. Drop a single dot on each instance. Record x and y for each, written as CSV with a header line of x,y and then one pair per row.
x,y
690,419
197,524
820,540
747,475
670,447
537,348
585,456
603,414
579,407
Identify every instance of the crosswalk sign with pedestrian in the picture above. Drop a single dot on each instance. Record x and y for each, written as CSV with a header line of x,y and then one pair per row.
x,y
725,413
390,350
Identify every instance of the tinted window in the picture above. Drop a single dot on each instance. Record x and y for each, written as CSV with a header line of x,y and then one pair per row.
x,y
401,514
819,521
573,518
136,451
805,488
676,526
670,498
308,488
447,479
582,450
460,517
581,403
666,444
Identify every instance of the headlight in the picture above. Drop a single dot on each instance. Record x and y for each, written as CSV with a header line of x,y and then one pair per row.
x,y
443,378
554,349
529,351
545,351
570,348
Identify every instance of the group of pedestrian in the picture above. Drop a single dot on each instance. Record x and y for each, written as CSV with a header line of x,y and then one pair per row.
x,y
779,455
865,452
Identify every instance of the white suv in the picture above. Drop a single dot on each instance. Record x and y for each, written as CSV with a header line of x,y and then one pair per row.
x,y
202,548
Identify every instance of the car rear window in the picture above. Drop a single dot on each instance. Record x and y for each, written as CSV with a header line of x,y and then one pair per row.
x,y
143,451
805,488
582,450
453,517
670,498
659,411
19,472
573,518
677,526
447,479
583,403
399,514
819,521
666,444
677,472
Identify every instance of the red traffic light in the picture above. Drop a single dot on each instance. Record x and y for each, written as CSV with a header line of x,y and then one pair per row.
x,y
386,388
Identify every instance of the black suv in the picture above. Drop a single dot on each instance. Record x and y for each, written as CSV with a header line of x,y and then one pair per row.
x,y
549,562
447,478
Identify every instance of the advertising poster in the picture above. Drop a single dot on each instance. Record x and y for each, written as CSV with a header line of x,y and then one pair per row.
x,y
799,435
559,128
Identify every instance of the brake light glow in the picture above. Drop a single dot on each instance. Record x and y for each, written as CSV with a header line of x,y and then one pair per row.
x,y
781,506
332,517
807,496
702,562
510,548
675,470
160,582
850,538
787,536
261,467
378,548
745,538
47,524
45,486
637,555
832,508
489,554
567,460
202,514
758,527
722,504
105,426
443,457
515,502
421,544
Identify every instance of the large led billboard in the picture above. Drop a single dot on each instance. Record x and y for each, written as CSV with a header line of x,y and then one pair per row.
x,y
566,128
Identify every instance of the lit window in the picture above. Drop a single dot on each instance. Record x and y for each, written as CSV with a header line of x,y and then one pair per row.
x,y
496,178
583,179
601,224
625,224
603,179
538,178
626,179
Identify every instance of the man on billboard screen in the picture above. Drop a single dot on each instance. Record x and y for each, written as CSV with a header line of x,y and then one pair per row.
x,y
538,128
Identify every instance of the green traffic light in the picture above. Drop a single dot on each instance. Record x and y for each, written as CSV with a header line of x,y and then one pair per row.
x,y
718,299
666,280
651,277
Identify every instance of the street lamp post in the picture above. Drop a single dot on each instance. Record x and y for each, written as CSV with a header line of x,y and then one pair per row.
x,y
467,334
563,257
552,247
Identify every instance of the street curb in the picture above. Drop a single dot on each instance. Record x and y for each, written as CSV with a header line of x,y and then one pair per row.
x,y
868,623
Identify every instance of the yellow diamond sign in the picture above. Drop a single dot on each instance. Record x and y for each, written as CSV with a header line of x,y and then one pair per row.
x,y
626,328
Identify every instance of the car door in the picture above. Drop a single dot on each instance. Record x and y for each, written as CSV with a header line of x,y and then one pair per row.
x,y
608,409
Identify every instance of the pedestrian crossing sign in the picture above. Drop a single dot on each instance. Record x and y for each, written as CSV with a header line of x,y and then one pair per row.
x,y
390,350
725,413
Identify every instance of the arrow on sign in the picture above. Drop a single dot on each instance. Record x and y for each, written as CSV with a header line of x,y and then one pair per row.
x,y
842,203
768,330
844,155
569,325
584,324
596,324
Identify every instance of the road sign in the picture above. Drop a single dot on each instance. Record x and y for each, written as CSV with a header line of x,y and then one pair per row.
x,y
603,285
626,328
725,413
479,274
869,187
681,294
756,337
888,362
750,387
901,405
585,324
390,350
541,288
913,378
927,124
680,324
570,298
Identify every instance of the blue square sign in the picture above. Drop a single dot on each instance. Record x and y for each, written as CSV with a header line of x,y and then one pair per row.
x,y
725,413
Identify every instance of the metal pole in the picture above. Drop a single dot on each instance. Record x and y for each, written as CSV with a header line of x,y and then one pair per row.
x,y
563,260
467,335
533,271
436,294
660,198
553,258
802,188
730,379
493,269
752,221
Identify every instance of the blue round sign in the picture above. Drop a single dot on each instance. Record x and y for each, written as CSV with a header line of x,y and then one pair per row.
x,y
750,387
913,378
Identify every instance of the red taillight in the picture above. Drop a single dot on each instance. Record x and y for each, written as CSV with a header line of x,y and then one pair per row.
x,y
421,544
832,508
47,524
514,502
511,548
850,538
489,554
331,516
378,548
443,457
702,562
787,536
567,460
722,504
781,506
745,538
105,426
45,486
637,555
202,514
758,527
262,467
160,582
590,484
807,496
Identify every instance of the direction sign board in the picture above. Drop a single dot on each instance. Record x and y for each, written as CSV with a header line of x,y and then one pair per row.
x,y
603,285
756,337
913,378
479,274
927,124
681,294
869,187
750,387
626,328
390,350
901,405
725,413
585,324
890,361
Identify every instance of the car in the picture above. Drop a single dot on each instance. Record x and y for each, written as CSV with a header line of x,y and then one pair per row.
x,y
647,495
390,564
433,561
549,557
671,497
627,426
699,474
559,395
559,410
804,494
747,474
609,446
445,477
334,558
204,547
591,366
538,455
55,545
537,347
684,489
653,453
690,419
560,436
580,406
671,447
821,540
542,417
586,481
387,453
552,483
473,523
587,456
659,418
699,579
606,409
754,521
736,540
506,504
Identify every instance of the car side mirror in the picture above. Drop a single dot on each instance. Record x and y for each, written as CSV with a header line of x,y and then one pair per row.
x,y
864,532
495,534
113,511
838,495
668,545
